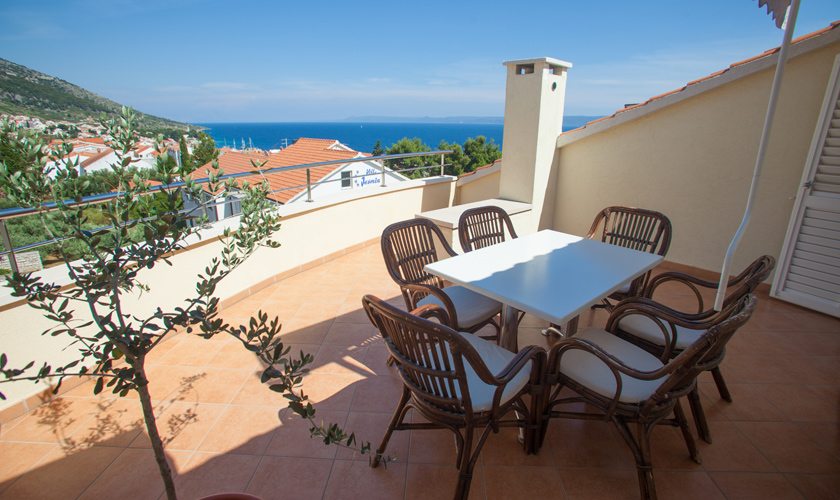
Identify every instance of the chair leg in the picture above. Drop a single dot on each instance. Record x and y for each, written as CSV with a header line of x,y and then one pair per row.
x,y
686,432
699,415
396,420
721,384
467,457
641,452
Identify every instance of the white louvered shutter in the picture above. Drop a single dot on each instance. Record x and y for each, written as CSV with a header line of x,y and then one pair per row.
x,y
809,271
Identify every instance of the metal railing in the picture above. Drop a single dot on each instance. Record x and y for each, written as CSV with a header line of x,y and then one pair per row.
x,y
11,213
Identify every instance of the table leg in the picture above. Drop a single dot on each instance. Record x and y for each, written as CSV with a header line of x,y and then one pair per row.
x,y
571,327
510,328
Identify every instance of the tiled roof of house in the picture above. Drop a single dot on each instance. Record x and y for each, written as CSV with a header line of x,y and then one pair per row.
x,y
479,168
303,151
832,26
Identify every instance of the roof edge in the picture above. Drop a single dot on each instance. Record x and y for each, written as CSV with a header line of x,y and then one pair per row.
x,y
741,69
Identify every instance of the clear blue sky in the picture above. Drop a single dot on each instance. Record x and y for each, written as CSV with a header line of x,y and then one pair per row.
x,y
213,61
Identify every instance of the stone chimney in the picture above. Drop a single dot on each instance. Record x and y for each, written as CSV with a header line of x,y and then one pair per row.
x,y
534,101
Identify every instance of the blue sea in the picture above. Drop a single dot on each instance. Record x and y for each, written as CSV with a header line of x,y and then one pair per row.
x,y
359,136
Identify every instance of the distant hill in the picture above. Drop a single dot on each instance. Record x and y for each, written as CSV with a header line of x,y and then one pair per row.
x,y
28,92
569,122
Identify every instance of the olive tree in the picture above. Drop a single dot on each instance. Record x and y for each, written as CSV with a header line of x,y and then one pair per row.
x,y
146,226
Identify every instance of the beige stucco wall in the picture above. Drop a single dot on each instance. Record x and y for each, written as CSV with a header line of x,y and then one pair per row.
x,y
485,187
310,231
694,161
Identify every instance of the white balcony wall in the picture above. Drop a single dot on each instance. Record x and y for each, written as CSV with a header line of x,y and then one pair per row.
x,y
311,233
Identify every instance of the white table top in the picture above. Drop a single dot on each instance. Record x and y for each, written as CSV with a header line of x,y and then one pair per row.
x,y
554,276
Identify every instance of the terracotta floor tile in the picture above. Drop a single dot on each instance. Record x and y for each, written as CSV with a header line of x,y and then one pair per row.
x,y
169,382
115,422
503,483
826,434
504,448
243,430
762,342
304,279
432,482
599,484
669,449
304,332
214,385
354,480
340,359
134,474
818,343
377,394
271,481
788,448
730,451
330,391
292,438
328,295
255,393
685,485
815,322
756,370
17,458
242,309
234,356
588,444
193,351
816,486
371,427
799,403
281,309
747,404
808,369
60,476
358,334
211,473
352,312
317,312
751,486
182,426
54,421
432,446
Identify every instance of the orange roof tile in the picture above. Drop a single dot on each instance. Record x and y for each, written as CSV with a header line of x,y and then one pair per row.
x,y
303,151
479,168
834,25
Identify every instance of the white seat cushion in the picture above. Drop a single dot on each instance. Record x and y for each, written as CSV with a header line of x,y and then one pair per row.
x,y
589,371
645,328
472,308
496,359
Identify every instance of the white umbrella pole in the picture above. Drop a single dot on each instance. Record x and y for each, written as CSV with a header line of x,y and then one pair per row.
x,y
762,149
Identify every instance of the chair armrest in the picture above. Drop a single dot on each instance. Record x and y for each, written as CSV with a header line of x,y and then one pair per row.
x,y
416,292
433,311
693,283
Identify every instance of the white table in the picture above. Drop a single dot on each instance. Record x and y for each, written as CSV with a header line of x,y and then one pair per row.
x,y
554,276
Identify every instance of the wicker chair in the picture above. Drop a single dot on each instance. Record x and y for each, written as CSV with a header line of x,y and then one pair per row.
x,y
458,382
628,385
483,226
646,334
635,228
407,247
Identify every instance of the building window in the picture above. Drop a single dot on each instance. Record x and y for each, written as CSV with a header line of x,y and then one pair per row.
x,y
346,181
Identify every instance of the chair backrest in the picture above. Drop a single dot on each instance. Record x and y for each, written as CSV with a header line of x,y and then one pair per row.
x,y
703,353
483,226
635,228
430,357
749,279
408,246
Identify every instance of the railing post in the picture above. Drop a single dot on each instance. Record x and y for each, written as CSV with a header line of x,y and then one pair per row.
x,y
441,164
383,173
7,242
308,187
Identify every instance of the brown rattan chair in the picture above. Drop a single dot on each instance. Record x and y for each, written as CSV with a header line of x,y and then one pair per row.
x,y
636,228
483,226
458,382
646,333
625,384
407,247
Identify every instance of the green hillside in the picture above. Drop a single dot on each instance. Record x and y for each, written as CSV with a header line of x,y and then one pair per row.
x,y
27,92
